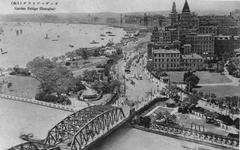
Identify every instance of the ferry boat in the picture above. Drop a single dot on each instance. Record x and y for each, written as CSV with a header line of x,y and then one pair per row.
x,y
46,37
26,137
109,32
2,52
94,42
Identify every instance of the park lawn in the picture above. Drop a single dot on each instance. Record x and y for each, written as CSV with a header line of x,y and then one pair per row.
x,y
221,91
205,77
26,87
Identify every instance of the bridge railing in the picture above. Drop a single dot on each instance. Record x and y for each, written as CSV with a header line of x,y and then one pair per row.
x,y
37,102
197,135
25,146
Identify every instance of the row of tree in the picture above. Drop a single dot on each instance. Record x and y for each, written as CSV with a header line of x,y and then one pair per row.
x,y
229,102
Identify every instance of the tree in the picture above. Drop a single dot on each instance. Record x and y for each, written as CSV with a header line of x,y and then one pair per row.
x,y
115,84
52,76
192,81
103,86
79,52
84,54
186,75
62,58
70,55
200,94
96,53
90,76
9,85
55,59
193,99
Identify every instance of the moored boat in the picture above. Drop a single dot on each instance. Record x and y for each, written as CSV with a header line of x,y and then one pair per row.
x,y
94,42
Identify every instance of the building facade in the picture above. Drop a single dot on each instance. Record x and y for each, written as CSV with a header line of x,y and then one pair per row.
x,y
192,62
208,30
164,59
155,37
202,44
187,49
225,45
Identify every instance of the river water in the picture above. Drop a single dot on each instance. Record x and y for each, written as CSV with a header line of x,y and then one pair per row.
x,y
18,117
127,138
24,41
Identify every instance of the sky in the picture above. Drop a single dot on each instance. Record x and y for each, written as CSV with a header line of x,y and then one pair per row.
x,y
91,6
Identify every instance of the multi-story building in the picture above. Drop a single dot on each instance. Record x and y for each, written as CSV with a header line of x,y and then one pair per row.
x,y
236,42
192,62
155,37
183,34
166,36
187,49
234,31
202,44
208,30
223,23
166,59
225,45
170,34
146,20
216,20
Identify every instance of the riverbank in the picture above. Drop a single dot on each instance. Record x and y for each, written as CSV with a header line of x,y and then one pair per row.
x,y
175,133
49,40
128,138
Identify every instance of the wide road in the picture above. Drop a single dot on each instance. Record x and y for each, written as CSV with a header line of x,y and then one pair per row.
x,y
127,138
20,117
143,87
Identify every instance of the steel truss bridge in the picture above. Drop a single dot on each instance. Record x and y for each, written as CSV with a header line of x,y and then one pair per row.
x,y
79,130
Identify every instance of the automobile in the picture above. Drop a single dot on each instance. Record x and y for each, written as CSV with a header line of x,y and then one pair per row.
x,y
127,71
132,82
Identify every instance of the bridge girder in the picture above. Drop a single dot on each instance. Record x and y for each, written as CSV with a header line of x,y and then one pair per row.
x,y
78,127
101,123
25,146
69,126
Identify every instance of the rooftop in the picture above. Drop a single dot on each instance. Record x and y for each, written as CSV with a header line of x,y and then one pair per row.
x,y
166,51
227,37
186,7
192,56
204,34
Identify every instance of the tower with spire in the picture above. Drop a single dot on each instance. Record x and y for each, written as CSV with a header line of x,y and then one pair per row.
x,y
187,19
186,8
174,15
145,19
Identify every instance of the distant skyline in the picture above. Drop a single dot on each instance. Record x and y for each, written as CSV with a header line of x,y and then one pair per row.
x,y
121,6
